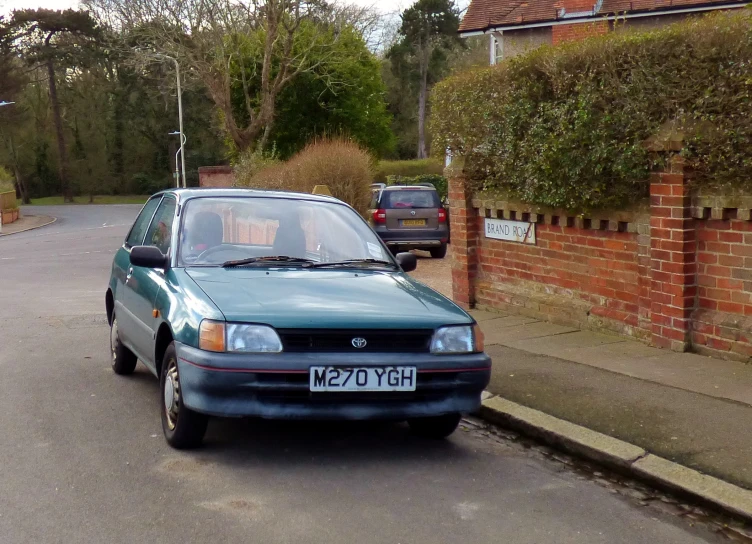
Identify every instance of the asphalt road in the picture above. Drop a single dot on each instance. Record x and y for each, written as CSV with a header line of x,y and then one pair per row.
x,y
82,458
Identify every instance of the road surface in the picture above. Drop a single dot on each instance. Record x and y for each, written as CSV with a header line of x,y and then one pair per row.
x,y
82,458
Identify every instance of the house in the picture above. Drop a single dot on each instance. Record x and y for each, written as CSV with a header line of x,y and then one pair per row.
x,y
516,26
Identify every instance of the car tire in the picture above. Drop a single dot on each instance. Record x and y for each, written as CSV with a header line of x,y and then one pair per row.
x,y
439,252
438,427
183,428
123,360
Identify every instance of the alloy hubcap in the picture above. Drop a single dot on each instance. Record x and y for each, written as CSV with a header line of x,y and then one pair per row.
x,y
172,395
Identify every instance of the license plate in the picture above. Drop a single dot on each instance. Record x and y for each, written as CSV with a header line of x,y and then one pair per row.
x,y
414,222
390,378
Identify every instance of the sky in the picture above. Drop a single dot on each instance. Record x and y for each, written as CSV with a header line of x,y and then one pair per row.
x,y
386,6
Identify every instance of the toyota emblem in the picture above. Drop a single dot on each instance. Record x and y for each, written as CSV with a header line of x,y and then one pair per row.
x,y
359,343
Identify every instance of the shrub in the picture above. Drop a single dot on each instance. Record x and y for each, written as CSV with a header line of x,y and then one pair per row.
x,y
144,184
342,165
565,127
418,167
440,182
250,163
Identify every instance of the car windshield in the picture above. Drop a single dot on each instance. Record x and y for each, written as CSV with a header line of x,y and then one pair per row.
x,y
240,231
412,198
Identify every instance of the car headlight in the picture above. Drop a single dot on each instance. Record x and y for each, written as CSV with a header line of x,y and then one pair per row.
x,y
238,338
462,339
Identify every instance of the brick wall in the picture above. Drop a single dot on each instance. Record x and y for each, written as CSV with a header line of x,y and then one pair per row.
x,y
577,31
216,176
580,271
676,274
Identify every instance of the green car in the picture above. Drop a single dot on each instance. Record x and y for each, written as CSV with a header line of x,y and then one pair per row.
x,y
284,306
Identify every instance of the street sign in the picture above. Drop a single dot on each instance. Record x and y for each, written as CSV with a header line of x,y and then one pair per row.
x,y
513,231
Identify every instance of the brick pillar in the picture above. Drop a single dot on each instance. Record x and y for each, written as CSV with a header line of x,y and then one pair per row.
x,y
463,222
673,271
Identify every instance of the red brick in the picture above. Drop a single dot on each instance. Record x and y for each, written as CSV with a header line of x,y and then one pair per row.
x,y
717,343
660,211
707,258
732,237
672,179
674,334
742,250
731,307
661,342
718,271
718,247
724,283
731,260
708,235
744,226
660,189
679,190
673,223
717,294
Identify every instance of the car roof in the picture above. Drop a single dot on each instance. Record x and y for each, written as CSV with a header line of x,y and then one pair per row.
x,y
203,192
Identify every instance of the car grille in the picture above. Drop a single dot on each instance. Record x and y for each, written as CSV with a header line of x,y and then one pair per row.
x,y
377,341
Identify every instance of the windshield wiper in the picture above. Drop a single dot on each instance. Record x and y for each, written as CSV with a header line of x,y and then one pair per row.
x,y
271,259
352,262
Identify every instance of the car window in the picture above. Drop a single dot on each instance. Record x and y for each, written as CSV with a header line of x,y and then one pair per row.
x,y
138,230
215,230
160,231
410,198
375,194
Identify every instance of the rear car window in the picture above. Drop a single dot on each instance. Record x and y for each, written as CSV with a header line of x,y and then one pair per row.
x,y
411,198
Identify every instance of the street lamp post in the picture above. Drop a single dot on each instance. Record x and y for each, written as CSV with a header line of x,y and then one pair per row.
x,y
180,109
183,139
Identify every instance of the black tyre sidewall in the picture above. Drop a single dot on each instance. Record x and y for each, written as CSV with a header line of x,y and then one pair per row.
x,y
190,426
125,361
439,252
437,428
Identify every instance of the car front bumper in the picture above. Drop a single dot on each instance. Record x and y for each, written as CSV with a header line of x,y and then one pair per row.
x,y
277,386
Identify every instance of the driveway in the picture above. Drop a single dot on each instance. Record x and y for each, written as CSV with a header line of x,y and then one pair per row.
x,y
82,458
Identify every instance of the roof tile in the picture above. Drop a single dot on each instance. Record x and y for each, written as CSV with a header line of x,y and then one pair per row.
x,y
486,14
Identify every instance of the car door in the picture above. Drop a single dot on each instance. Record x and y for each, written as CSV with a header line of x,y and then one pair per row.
x,y
144,284
127,327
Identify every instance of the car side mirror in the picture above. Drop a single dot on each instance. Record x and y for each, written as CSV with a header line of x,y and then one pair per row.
x,y
407,261
148,257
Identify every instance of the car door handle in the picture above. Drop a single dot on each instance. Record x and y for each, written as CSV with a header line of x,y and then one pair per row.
x,y
129,275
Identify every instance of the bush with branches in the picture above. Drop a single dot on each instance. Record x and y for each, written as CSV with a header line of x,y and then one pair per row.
x,y
566,127
340,164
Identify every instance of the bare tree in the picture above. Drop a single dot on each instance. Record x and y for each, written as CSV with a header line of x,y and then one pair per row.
x,y
213,38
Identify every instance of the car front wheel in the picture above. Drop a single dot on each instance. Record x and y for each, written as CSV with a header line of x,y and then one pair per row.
x,y
437,427
183,428
123,360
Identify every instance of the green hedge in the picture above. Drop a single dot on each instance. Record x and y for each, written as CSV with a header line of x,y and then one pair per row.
x,y
418,167
565,127
440,182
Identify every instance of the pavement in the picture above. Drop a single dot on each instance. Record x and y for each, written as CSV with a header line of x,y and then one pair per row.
x,y
692,411
26,222
82,457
